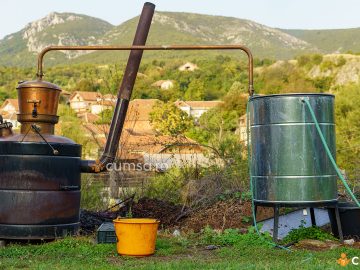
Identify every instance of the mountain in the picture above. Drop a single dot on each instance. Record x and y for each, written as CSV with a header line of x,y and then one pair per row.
x,y
330,41
21,48
189,28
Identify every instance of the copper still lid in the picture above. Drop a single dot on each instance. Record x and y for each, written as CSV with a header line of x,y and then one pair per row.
x,y
37,84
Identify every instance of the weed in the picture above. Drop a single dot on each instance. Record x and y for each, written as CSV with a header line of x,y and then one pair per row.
x,y
307,233
232,237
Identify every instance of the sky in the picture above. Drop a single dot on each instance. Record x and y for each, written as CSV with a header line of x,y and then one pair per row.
x,y
289,14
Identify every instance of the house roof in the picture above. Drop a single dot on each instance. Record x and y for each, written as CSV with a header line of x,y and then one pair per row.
x,y
12,101
138,116
109,96
135,143
88,117
86,96
140,109
198,104
105,103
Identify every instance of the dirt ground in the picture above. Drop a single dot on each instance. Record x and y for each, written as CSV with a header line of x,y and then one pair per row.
x,y
221,215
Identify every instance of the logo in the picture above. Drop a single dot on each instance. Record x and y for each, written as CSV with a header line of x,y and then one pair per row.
x,y
343,260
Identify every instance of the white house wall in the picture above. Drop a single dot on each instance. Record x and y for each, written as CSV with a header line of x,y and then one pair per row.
x,y
164,161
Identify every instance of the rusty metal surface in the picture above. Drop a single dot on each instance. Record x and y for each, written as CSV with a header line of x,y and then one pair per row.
x,y
20,172
39,191
126,87
34,232
29,207
135,56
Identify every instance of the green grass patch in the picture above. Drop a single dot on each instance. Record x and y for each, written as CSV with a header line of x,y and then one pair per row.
x,y
237,251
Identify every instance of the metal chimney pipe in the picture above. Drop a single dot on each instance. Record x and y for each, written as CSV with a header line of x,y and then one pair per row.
x,y
124,94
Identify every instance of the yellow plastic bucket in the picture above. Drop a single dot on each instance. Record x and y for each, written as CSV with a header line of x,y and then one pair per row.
x,y
136,236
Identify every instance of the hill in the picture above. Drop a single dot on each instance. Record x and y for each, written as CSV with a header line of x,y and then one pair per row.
x,y
21,48
330,41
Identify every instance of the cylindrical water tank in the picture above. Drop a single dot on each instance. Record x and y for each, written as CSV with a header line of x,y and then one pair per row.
x,y
289,164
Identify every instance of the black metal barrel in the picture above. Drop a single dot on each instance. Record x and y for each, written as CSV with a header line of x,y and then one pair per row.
x,y
39,191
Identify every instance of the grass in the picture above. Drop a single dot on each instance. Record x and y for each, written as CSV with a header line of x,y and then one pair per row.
x,y
237,251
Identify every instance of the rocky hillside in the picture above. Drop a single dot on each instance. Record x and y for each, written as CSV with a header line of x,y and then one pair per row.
x,y
168,28
22,47
332,40
328,72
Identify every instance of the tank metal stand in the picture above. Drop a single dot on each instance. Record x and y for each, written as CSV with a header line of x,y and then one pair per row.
x,y
276,206
2,243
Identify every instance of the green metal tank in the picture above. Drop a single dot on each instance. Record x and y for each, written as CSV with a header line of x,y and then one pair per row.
x,y
289,164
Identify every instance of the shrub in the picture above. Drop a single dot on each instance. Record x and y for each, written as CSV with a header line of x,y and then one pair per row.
x,y
230,237
92,193
307,233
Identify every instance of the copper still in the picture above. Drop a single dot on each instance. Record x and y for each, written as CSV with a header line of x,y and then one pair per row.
x,y
40,173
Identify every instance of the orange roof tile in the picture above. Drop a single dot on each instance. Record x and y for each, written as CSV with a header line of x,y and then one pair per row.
x,y
135,143
198,104
88,117
13,101
87,96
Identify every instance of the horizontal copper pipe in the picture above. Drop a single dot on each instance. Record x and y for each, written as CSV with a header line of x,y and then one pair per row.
x,y
41,55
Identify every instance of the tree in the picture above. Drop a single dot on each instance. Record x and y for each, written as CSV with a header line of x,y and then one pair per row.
x,y
195,91
86,85
106,117
168,119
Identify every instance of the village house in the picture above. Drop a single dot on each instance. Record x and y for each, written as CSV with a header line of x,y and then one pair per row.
x,y
9,110
94,102
196,108
81,101
164,84
139,142
138,116
155,150
188,67
109,97
101,106
10,105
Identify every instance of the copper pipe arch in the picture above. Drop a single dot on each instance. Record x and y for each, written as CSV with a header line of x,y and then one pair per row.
x,y
41,55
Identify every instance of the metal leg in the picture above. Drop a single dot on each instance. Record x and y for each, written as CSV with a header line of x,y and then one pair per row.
x,y
276,224
2,243
338,223
312,215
